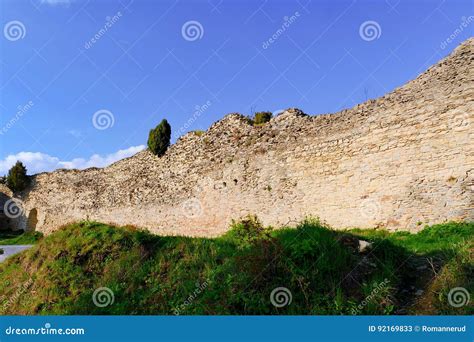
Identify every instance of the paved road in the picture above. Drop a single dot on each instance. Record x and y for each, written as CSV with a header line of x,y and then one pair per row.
x,y
12,249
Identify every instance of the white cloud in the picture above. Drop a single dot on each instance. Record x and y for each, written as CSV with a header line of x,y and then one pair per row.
x,y
36,162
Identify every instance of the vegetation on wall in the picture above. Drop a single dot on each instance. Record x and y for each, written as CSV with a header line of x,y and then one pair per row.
x,y
261,118
17,180
159,138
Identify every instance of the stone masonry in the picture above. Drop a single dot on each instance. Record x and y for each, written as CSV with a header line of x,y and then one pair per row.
x,y
401,161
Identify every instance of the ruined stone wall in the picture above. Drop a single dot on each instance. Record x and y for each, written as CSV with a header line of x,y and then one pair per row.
x,y
401,161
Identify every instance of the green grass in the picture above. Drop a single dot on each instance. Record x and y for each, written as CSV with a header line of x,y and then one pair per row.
x,y
437,259
19,238
431,240
236,273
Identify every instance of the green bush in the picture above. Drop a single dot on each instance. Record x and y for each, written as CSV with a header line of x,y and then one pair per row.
x,y
247,231
159,138
17,180
262,117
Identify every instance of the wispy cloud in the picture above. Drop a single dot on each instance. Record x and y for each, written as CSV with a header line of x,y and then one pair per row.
x,y
37,162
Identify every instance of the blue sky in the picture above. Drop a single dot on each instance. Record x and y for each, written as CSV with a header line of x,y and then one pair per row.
x,y
82,82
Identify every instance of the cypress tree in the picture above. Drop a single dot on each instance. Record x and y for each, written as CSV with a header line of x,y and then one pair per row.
x,y
159,138
17,180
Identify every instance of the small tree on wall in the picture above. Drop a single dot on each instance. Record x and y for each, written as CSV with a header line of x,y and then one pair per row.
x,y
262,117
159,138
17,180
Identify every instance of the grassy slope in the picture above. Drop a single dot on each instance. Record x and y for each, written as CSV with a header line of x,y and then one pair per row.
x,y
17,238
236,273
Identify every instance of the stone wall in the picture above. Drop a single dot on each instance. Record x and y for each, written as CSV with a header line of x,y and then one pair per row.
x,y
401,161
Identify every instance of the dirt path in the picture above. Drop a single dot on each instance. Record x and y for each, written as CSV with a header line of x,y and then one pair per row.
x,y
415,281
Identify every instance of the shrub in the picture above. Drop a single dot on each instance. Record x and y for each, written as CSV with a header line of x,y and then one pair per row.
x,y
159,138
248,230
262,117
17,180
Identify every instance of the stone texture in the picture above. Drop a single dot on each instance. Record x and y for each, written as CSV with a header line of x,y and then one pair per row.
x,y
400,161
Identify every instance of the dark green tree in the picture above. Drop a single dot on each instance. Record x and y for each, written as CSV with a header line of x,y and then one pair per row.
x,y
17,180
159,138
262,117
